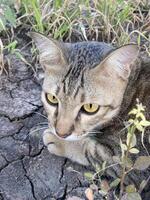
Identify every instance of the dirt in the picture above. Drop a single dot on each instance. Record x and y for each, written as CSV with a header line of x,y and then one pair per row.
x,y
27,170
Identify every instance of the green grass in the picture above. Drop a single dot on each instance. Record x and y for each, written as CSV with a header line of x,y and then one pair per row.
x,y
115,21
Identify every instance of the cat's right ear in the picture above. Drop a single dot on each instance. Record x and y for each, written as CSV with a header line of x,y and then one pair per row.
x,y
51,54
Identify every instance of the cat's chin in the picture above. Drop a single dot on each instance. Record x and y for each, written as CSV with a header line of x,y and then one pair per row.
x,y
71,138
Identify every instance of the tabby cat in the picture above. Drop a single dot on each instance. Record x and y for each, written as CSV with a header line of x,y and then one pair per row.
x,y
88,89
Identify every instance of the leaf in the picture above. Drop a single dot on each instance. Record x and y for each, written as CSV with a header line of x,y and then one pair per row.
x,y
12,46
140,107
123,147
127,162
130,189
10,15
115,183
133,141
139,127
134,150
88,175
57,4
141,115
133,112
145,123
131,196
131,121
142,163
2,23
143,184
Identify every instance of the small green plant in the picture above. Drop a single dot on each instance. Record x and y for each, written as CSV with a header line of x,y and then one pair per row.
x,y
136,125
7,15
137,122
12,49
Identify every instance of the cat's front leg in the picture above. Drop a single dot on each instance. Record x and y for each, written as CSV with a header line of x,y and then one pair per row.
x,y
85,152
73,150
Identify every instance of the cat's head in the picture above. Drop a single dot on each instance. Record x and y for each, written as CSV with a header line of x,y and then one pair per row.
x,y
84,84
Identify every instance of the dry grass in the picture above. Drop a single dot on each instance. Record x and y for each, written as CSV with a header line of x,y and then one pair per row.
x,y
114,21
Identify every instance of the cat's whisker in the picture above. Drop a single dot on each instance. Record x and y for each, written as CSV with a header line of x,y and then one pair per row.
x,y
94,131
41,115
38,129
42,123
125,128
30,133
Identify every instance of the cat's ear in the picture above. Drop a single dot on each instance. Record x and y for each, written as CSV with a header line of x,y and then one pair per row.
x,y
50,50
120,60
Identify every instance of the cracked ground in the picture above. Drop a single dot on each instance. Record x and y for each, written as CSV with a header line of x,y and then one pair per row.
x,y
27,170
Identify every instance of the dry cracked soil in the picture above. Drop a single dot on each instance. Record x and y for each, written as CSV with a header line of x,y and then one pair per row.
x,y
27,170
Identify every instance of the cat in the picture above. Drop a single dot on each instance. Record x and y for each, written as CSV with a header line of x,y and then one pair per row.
x,y
88,90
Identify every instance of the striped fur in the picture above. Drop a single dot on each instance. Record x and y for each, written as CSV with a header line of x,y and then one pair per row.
x,y
90,72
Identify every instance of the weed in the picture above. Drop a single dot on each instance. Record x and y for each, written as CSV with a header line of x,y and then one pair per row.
x,y
136,123
118,22
110,21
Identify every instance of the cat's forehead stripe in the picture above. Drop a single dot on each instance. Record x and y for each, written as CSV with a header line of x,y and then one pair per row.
x,y
57,90
82,56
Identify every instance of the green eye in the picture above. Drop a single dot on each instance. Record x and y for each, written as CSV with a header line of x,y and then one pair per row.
x,y
51,99
90,108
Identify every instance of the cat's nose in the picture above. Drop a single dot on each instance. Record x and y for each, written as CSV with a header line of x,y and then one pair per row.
x,y
63,128
63,135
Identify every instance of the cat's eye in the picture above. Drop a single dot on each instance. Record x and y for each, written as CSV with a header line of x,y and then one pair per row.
x,y
51,99
90,108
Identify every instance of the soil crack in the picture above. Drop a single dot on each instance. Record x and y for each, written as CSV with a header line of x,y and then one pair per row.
x,y
31,184
62,170
8,162
22,117
1,197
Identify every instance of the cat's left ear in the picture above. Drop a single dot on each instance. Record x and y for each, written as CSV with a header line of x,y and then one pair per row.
x,y
51,54
120,60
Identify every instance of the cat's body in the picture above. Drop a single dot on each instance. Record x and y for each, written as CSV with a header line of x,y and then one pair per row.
x,y
90,75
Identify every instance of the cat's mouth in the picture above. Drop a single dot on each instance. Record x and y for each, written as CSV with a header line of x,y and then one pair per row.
x,y
71,137
68,137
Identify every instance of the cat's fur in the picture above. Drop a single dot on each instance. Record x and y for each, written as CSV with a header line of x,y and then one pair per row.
x,y
91,72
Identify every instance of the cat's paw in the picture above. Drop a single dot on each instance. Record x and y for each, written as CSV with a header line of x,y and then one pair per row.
x,y
48,138
53,144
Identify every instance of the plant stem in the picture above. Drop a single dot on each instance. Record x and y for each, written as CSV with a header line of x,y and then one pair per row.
x,y
124,172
